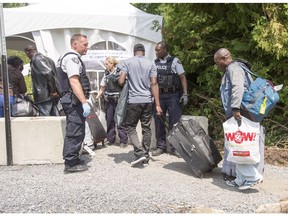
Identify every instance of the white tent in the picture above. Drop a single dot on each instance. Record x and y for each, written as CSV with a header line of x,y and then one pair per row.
x,y
112,28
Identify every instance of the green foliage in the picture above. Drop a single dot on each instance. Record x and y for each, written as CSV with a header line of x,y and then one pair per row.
x,y
12,5
256,32
28,82
20,54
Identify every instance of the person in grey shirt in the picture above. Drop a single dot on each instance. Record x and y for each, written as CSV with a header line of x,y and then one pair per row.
x,y
141,76
233,83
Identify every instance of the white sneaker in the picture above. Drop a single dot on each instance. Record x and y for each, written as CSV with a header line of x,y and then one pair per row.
x,y
89,150
231,183
139,160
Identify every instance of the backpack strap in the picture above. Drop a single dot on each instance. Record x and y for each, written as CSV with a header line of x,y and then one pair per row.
x,y
248,71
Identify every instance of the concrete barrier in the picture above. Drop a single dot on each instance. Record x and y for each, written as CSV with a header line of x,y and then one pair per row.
x,y
35,140
39,140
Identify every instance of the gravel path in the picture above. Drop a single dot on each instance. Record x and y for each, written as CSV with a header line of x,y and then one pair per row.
x,y
111,185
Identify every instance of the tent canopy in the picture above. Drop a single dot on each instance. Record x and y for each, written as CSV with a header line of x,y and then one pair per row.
x,y
50,26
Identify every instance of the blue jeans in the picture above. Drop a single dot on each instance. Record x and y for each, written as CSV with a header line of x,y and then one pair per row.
x,y
246,172
11,99
142,112
47,108
169,102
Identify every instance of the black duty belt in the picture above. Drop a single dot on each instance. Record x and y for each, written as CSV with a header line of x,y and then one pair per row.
x,y
168,90
111,97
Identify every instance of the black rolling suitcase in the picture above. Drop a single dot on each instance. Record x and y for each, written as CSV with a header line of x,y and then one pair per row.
x,y
97,130
194,145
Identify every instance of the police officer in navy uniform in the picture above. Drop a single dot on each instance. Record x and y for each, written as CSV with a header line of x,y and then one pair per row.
x,y
75,88
110,88
172,93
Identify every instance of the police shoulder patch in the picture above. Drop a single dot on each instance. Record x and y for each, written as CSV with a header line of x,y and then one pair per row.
x,y
179,62
75,59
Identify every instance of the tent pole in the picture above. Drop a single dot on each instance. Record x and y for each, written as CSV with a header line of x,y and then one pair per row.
x,y
5,90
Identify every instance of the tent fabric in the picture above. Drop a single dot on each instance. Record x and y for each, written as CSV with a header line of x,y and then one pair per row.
x,y
52,25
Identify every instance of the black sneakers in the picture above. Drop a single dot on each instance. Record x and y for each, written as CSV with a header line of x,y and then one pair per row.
x,y
158,152
81,161
123,145
138,160
76,168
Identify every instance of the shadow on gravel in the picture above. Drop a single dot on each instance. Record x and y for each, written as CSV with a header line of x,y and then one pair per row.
x,y
180,167
120,157
215,175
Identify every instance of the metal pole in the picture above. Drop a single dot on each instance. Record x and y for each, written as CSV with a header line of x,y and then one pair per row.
x,y
5,90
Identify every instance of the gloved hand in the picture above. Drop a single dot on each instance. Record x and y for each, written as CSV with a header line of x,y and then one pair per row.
x,y
184,99
86,109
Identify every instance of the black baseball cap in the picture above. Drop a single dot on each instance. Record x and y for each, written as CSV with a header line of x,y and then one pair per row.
x,y
139,47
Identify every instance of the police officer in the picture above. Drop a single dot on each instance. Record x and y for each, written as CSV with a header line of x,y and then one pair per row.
x,y
75,88
172,93
110,88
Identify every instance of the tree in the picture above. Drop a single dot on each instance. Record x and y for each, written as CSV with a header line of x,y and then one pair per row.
x,y
255,32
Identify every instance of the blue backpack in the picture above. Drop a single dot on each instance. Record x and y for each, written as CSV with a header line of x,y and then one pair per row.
x,y
259,98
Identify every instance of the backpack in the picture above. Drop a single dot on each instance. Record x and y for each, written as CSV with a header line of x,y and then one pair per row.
x,y
259,98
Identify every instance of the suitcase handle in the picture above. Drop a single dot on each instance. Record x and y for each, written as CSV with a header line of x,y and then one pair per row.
x,y
189,137
184,149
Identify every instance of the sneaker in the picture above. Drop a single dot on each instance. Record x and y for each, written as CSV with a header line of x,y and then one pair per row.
x,y
81,161
123,145
76,168
146,161
231,183
108,143
88,150
260,180
138,160
92,147
249,184
158,152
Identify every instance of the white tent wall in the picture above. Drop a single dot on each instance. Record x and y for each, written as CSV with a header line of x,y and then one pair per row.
x,y
52,25
56,41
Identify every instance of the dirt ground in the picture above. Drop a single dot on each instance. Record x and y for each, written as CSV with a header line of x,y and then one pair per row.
x,y
273,155
276,156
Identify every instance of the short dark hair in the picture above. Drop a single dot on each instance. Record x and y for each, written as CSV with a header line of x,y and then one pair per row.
x,y
163,45
30,47
76,37
15,61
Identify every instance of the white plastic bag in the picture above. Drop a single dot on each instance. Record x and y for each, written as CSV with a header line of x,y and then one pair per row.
x,y
242,142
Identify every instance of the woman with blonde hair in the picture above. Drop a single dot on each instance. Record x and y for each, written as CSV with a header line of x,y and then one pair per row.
x,y
110,89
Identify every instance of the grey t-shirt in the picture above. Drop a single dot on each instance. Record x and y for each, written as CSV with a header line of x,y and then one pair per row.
x,y
139,70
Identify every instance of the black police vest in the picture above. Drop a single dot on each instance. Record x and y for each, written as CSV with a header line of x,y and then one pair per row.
x,y
165,76
112,85
64,80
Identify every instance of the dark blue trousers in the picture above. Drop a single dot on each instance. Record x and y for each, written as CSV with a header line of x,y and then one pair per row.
x,y
75,130
170,104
